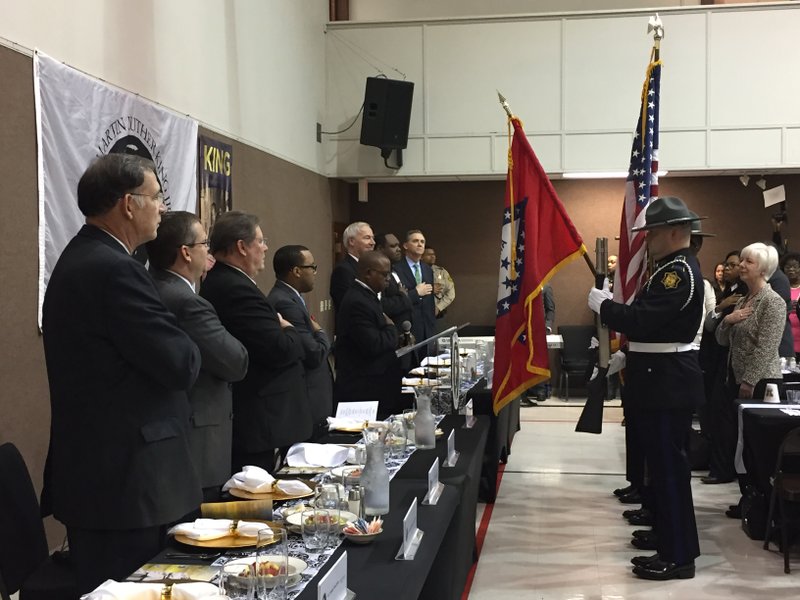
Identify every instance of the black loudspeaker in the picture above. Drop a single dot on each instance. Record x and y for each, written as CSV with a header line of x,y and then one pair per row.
x,y
387,113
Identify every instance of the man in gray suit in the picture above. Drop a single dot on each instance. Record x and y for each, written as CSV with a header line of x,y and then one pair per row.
x,y
178,259
296,274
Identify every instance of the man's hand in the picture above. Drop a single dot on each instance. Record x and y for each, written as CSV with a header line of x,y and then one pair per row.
x,y
424,289
283,322
617,362
314,325
597,297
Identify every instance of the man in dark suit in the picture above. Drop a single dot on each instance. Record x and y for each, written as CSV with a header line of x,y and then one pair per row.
x,y
417,277
367,367
270,406
178,259
394,299
296,274
119,467
356,239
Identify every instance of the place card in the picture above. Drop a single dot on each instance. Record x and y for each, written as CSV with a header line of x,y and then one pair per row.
x,y
452,454
469,419
360,411
333,585
412,535
435,488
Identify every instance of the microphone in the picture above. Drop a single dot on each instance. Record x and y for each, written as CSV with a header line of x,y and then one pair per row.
x,y
405,327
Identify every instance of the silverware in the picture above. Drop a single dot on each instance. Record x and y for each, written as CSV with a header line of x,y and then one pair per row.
x,y
187,556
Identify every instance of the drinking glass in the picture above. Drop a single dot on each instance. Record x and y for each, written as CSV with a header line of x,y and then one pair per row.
x,y
316,524
408,416
272,564
329,498
793,396
397,436
236,585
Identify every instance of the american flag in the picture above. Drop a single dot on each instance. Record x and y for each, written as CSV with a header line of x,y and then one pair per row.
x,y
641,188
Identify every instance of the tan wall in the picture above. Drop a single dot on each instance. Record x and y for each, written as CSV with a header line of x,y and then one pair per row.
x,y
295,206
462,222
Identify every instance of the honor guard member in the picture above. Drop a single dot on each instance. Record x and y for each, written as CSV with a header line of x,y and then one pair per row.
x,y
663,378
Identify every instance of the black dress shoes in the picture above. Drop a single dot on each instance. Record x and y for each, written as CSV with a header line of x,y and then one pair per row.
x,y
711,480
525,401
623,491
639,512
641,520
734,512
645,541
643,533
661,571
643,561
633,497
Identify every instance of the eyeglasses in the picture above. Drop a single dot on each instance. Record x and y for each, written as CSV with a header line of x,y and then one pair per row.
x,y
205,243
158,197
312,267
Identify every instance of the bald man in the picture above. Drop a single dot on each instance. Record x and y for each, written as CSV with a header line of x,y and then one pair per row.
x,y
367,367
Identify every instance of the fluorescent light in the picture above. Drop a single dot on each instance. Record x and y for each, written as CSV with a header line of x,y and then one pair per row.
x,y
602,174
744,179
762,183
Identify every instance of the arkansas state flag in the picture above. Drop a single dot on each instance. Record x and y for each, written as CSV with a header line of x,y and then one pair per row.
x,y
538,239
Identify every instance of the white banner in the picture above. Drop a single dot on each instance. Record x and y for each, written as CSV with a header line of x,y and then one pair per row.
x,y
78,119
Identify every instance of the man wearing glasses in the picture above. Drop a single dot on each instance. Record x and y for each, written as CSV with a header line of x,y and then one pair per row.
x,y
118,468
178,259
270,405
296,274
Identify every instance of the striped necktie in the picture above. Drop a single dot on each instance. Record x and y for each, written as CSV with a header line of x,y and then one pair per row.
x,y
417,274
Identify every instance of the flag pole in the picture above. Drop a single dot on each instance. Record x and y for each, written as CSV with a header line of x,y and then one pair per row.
x,y
507,108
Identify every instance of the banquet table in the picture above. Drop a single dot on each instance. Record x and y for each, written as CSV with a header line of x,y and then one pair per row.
x,y
439,571
761,431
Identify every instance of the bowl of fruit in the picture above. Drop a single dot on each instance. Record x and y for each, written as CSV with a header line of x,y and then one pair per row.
x,y
360,531
267,569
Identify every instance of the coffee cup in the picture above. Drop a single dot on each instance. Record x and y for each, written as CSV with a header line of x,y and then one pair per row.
x,y
771,394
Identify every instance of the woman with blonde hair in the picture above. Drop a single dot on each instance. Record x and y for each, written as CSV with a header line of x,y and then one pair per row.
x,y
754,329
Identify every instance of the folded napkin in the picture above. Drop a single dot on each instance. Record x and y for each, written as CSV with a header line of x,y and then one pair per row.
x,y
316,455
212,529
129,590
293,487
335,423
443,360
251,479
420,381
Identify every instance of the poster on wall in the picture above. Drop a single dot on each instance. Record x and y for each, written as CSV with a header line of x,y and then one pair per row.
x,y
214,179
79,118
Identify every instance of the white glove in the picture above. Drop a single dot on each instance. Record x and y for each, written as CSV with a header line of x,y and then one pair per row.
x,y
616,363
594,343
597,297
595,372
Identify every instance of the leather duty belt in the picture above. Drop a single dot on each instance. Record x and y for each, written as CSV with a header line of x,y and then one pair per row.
x,y
659,347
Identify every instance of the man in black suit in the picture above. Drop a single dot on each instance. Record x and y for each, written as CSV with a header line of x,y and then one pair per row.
x,y
270,405
296,274
178,259
367,367
394,299
417,277
356,239
119,467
